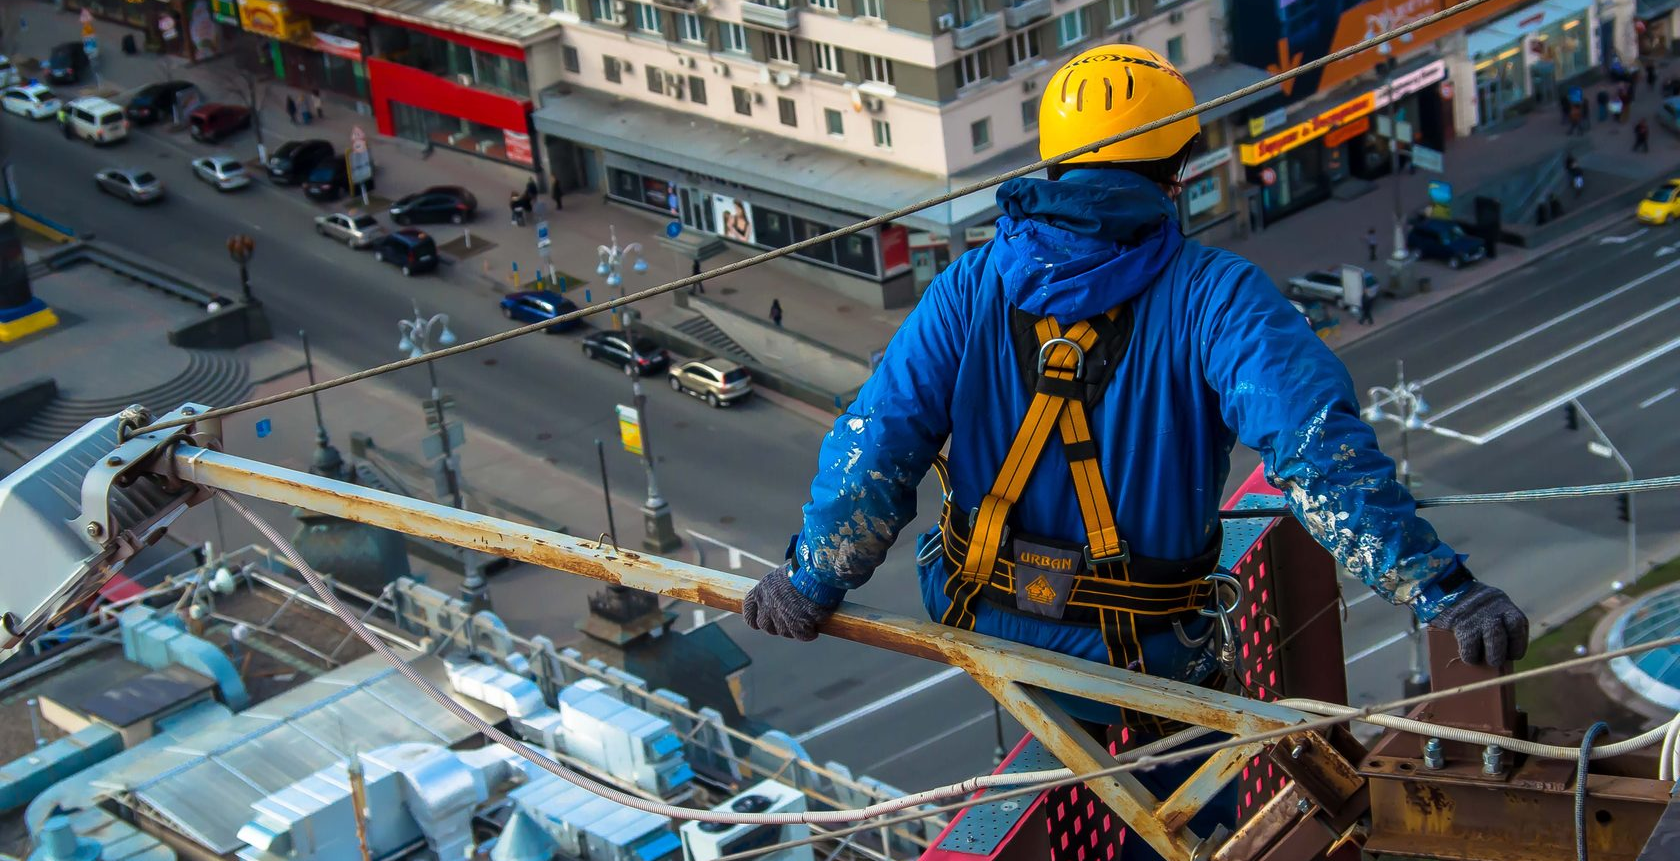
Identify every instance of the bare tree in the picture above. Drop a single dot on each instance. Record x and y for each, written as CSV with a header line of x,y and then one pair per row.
x,y
248,78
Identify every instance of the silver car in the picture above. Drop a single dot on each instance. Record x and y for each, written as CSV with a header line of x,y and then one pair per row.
x,y
136,184
222,171
355,229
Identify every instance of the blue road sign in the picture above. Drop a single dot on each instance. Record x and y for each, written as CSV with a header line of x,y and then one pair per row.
x,y
673,229
264,428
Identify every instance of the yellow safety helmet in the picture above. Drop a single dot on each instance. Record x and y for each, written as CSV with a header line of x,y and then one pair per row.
x,y
1108,90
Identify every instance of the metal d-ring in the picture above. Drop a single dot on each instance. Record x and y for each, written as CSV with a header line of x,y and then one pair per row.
x,y
1239,595
1078,352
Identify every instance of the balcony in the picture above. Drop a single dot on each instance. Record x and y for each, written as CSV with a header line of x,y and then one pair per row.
x,y
765,15
1024,12
982,29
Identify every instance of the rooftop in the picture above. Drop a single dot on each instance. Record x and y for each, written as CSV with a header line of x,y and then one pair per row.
x,y
486,20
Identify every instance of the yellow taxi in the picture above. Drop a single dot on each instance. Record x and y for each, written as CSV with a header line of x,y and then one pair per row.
x,y
1662,204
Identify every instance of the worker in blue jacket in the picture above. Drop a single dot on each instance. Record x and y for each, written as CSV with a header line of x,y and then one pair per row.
x,y
1091,369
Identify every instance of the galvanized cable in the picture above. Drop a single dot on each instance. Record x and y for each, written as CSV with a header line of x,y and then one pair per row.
x,y
1581,788
884,218
1578,491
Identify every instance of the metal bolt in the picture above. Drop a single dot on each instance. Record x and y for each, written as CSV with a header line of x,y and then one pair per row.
x,y
94,530
113,460
1298,750
1303,805
1433,757
188,411
1493,760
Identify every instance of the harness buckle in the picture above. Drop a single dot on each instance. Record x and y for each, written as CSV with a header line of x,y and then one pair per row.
x,y
973,518
1078,352
1124,557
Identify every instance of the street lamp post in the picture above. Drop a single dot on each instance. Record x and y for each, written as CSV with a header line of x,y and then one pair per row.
x,y
417,341
611,264
1408,399
328,463
240,247
1603,447
1390,62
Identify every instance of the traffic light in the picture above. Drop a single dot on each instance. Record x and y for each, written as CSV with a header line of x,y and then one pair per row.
x,y
1570,417
1622,508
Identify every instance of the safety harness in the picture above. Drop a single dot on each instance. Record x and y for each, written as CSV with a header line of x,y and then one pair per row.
x,y
1100,583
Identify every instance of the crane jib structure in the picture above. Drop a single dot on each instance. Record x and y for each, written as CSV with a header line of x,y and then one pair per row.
x,y
1472,781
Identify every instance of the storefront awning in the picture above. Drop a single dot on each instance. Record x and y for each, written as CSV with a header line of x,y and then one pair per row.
x,y
1645,10
470,17
774,164
1504,31
1213,81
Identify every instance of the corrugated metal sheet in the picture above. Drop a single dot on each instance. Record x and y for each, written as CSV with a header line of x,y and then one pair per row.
x,y
474,18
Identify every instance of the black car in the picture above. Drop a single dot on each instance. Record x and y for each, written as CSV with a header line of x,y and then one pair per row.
x,y
156,102
637,356
328,180
435,205
295,160
1440,239
409,250
67,63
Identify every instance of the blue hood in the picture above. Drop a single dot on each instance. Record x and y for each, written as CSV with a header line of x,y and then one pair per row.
x,y
1076,247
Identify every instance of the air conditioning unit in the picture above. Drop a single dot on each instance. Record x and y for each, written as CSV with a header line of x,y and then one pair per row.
x,y
708,841
873,104
687,62
758,98
1125,36
625,65
620,8
947,21
1029,85
1175,17
702,5
464,79
764,75
720,69
783,80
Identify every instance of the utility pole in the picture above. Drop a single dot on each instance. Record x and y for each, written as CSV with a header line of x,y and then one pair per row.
x,y
1408,399
240,247
1604,448
1399,258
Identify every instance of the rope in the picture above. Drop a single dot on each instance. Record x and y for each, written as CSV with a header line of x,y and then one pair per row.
x,y
1643,485
832,235
1581,788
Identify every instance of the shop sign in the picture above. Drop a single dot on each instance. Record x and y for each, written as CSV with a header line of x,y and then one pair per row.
x,y
272,18
1268,177
1428,159
895,248
1205,162
975,236
518,146
1201,196
630,429
1413,81
166,27
1272,119
1348,132
1269,148
225,11
338,46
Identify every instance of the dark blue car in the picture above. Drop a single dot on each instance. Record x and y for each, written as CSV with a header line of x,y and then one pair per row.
x,y
535,306
1439,239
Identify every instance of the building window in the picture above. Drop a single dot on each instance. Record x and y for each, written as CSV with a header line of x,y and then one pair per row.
x,y
743,101
830,5
828,58
876,68
647,18
605,11
779,46
1023,46
691,28
697,89
835,121
1029,114
790,117
871,9
1070,28
655,79
570,7
733,37
1121,11
1175,50
569,57
856,252
614,70
980,132
883,134
974,68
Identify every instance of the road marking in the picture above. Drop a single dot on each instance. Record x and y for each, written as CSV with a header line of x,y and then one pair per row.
x,y
1668,249
924,743
1383,644
1360,599
1656,397
1590,342
1559,400
870,708
1617,240
736,554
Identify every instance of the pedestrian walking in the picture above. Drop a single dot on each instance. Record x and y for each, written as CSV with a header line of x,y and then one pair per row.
x,y
775,311
1365,307
531,191
1371,244
516,205
320,107
1603,106
1642,136
1576,117
291,109
1616,109
698,286
554,191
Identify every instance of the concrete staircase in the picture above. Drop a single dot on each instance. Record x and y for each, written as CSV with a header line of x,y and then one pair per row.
x,y
211,378
705,332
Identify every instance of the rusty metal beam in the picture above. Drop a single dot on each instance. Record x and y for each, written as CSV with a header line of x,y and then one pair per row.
x,y
1219,769
985,658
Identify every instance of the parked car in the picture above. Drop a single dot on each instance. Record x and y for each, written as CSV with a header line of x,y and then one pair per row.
x,y
67,63
97,120
223,171
408,249
355,229
435,205
295,160
1440,239
215,121
155,102
718,382
34,101
1661,205
137,185
637,357
330,179
1326,284
535,306
9,76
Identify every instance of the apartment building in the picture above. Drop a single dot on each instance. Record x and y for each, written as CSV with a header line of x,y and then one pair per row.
x,y
770,122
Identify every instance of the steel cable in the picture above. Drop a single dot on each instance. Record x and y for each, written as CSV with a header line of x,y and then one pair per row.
x,y
1642,485
867,223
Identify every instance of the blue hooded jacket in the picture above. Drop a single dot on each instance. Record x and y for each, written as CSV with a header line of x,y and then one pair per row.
x,y
1217,354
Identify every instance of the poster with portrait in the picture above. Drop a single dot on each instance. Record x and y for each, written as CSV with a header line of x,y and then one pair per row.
x,y
734,218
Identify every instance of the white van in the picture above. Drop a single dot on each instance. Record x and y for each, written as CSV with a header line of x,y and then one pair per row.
x,y
98,120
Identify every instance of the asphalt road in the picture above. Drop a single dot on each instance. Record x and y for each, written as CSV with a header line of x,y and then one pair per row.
x,y
1595,320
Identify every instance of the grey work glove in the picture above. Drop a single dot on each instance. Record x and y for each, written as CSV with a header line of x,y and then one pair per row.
x,y
1489,627
775,607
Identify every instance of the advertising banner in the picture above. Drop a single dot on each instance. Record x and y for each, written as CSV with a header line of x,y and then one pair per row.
x,y
734,218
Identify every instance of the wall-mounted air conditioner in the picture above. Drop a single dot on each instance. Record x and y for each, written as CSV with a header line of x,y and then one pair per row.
x,y
706,841
758,98
626,66
720,69
1125,36
1176,17
873,104
946,22
1029,85
464,79
764,75
783,80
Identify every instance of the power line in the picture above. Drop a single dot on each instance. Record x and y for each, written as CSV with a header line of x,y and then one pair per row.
x,y
867,223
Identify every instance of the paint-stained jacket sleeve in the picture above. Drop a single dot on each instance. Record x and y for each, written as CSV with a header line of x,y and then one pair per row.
x,y
881,447
1290,398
